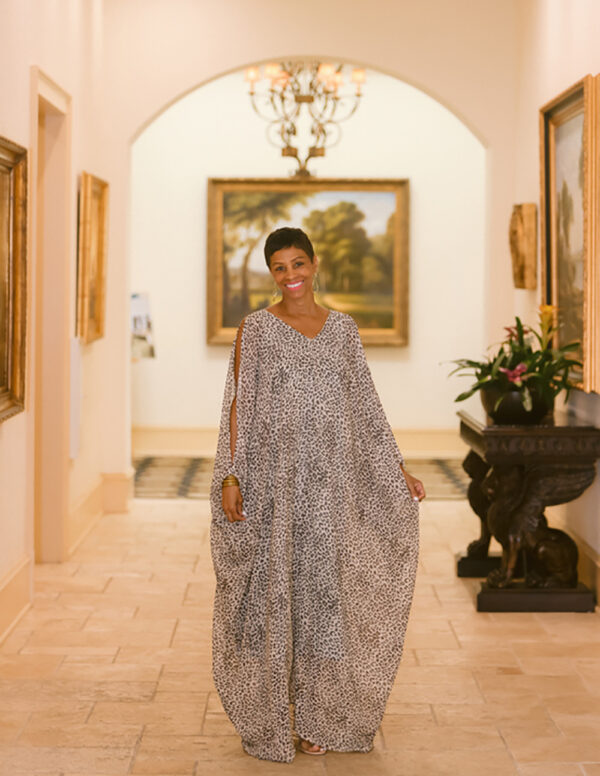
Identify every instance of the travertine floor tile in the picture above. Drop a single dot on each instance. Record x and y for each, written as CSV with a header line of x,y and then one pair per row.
x,y
109,673
555,769
29,666
485,714
11,725
54,760
526,748
183,719
40,732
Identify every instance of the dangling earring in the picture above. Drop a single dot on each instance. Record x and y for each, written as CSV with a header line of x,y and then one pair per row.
x,y
315,283
276,294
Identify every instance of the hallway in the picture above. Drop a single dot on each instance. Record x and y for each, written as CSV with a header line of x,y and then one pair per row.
x,y
109,673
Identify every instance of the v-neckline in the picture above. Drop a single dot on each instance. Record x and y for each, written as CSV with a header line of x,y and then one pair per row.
x,y
293,328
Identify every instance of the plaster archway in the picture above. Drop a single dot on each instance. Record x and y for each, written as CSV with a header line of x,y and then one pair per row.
x,y
185,168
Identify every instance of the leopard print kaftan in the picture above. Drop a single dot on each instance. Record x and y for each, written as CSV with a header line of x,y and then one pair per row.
x,y
314,588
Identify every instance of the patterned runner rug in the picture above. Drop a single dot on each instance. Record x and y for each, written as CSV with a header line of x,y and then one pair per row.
x,y
174,477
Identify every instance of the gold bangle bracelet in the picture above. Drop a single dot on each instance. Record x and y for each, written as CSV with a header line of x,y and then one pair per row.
x,y
230,480
230,485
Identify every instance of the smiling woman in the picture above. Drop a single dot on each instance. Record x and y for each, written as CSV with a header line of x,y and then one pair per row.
x,y
294,270
314,529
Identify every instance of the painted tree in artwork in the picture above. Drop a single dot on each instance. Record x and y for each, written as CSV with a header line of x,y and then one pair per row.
x,y
569,268
341,244
565,219
378,264
248,217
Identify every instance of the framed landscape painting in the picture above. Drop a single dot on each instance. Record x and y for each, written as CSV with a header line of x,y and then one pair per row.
x,y
13,277
91,263
568,146
359,230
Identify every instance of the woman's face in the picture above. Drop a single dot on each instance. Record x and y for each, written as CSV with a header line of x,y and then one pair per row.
x,y
293,272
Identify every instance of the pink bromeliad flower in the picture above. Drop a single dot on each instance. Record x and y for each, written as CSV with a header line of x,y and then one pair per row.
x,y
514,375
513,333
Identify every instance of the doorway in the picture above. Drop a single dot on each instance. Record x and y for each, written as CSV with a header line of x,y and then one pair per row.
x,y
50,287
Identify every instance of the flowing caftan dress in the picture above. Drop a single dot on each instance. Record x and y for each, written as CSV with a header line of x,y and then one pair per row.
x,y
314,588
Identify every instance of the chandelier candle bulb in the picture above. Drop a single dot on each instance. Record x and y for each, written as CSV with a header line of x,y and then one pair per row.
x,y
325,71
359,77
252,74
272,71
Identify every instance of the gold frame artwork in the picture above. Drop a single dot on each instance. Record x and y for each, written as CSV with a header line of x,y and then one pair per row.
x,y
91,260
370,281
13,277
569,223
522,234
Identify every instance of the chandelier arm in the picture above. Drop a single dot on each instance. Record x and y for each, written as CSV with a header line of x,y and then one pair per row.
x,y
257,109
293,114
353,109
337,139
320,113
275,138
271,103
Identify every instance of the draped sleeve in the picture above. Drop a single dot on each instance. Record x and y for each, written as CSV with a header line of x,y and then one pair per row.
x,y
366,401
244,390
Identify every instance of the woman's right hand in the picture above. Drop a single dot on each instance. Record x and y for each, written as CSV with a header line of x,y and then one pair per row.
x,y
233,504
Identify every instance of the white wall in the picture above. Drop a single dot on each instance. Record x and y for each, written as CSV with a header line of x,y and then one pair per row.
x,y
58,38
559,45
398,132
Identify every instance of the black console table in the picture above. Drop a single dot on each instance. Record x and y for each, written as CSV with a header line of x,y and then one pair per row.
x,y
516,472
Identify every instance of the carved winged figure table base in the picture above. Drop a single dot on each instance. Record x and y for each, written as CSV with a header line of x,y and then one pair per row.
x,y
516,473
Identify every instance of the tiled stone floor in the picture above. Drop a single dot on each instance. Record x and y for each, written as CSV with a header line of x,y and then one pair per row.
x,y
109,673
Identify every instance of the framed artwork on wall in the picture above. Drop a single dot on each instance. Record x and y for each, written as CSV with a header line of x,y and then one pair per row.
x,y
91,263
522,235
359,230
568,215
13,277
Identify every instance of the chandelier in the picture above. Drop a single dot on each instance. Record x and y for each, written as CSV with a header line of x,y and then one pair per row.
x,y
317,87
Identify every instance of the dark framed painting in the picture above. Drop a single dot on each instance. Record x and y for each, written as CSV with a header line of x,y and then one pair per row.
x,y
13,277
91,260
568,194
359,229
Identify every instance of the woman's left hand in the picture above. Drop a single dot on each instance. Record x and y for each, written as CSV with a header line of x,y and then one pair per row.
x,y
415,486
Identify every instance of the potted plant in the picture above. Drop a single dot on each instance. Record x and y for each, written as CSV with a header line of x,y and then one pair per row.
x,y
518,382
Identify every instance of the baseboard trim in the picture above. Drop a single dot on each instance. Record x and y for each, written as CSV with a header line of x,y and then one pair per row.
x,y
84,517
117,491
15,596
202,442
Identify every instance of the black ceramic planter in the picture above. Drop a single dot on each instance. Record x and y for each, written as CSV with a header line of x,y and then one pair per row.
x,y
510,411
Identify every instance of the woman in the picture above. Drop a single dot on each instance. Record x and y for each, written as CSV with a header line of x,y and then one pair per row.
x,y
314,532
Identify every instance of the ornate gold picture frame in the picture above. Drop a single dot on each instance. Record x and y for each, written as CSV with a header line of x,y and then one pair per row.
x,y
13,277
522,235
91,265
359,229
569,223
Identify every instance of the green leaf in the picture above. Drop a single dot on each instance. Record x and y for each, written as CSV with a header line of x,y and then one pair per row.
x,y
497,363
520,335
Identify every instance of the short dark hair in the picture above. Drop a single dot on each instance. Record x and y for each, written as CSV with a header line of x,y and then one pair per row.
x,y
287,237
